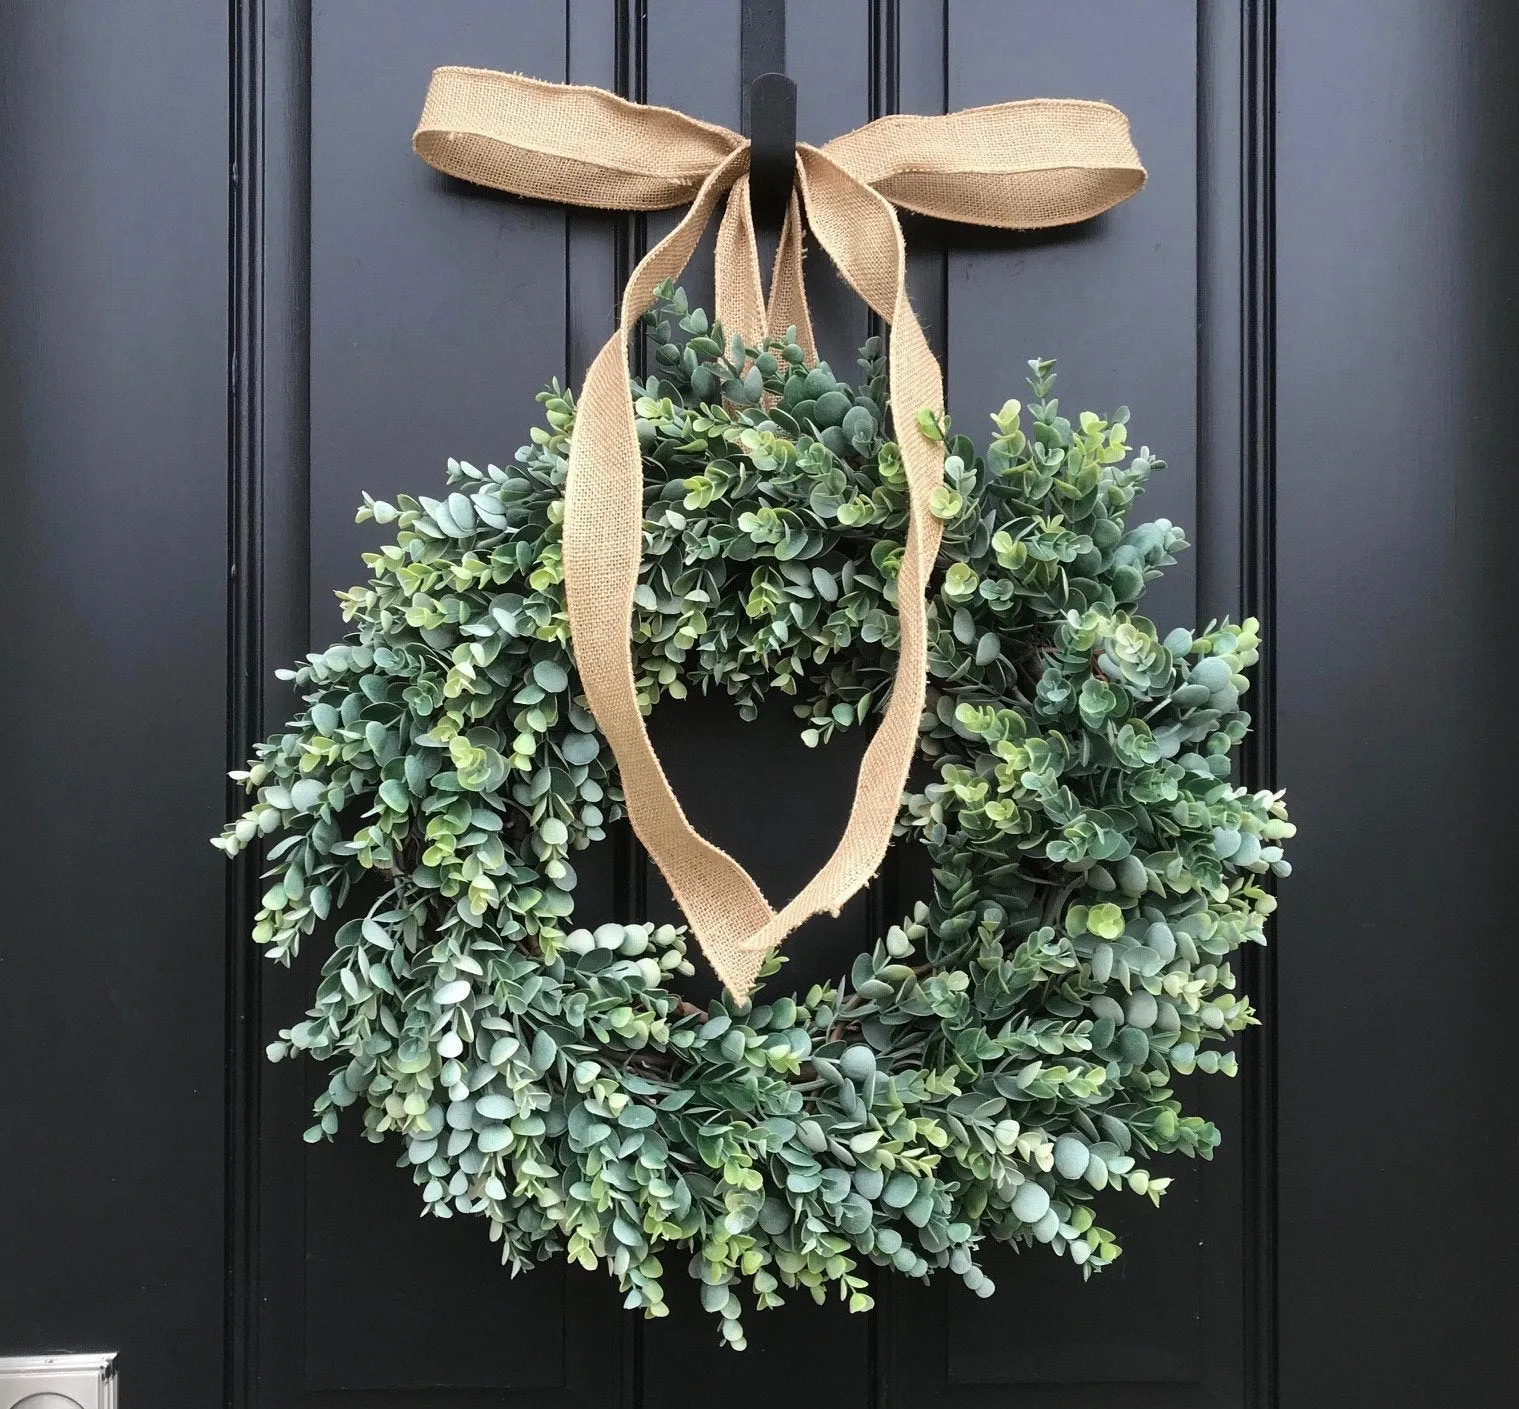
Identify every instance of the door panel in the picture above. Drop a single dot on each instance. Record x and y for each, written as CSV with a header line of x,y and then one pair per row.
x,y
113,686
1397,286
1114,300
435,312
1133,306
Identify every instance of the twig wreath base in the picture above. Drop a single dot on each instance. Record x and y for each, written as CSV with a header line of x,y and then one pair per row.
x,y
994,1061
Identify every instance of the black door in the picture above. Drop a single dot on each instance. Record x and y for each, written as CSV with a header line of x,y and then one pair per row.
x,y
232,299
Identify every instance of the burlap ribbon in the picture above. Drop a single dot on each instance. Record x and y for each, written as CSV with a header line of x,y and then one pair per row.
x,y
1013,165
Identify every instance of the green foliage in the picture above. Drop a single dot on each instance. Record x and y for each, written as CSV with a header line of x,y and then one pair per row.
x,y
994,1061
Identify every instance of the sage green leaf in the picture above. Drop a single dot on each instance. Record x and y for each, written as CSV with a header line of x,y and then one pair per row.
x,y
858,1062
1105,919
901,1189
579,749
306,794
1071,1157
550,676
1031,1202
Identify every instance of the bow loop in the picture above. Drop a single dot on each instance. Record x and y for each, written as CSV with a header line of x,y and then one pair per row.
x,y
1017,166
563,142
1013,165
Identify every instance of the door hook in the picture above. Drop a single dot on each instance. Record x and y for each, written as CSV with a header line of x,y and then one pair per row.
x,y
772,154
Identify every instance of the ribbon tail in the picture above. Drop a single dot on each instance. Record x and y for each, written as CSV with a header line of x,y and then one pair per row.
x,y
788,292
859,230
603,543
740,300
738,297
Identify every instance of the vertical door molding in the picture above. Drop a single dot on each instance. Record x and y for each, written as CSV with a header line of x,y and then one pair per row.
x,y
1257,581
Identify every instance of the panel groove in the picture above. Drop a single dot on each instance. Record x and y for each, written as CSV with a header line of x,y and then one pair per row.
x,y
268,533
630,860
244,684
1258,574
882,898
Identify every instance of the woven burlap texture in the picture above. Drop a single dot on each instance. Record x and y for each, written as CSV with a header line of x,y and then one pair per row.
x,y
1018,165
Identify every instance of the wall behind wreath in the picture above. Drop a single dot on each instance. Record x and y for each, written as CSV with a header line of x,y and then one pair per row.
x,y
1370,287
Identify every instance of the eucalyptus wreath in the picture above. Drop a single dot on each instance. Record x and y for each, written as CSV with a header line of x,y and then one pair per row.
x,y
997,1058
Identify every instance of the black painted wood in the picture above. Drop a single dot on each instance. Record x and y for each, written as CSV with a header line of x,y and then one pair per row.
x,y
231,299
1167,1327
113,611
377,220
1396,287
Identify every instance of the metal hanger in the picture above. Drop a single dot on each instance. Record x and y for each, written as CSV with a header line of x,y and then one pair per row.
x,y
769,111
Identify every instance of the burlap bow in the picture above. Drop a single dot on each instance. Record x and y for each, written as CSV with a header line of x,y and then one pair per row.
x,y
1013,165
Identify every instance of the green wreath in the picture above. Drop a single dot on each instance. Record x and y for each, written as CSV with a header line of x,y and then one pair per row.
x,y
991,1063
